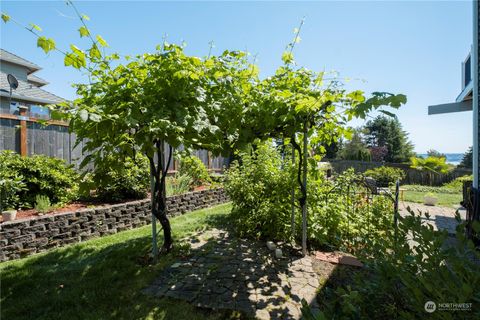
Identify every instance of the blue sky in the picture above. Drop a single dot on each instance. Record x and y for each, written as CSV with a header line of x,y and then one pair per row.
x,y
409,47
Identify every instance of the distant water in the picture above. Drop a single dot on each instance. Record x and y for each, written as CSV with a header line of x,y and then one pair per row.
x,y
452,158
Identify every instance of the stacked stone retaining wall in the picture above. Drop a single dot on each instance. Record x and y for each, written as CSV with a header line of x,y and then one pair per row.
x,y
20,238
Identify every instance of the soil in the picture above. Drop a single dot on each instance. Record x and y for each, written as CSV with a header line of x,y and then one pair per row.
x,y
30,213
74,206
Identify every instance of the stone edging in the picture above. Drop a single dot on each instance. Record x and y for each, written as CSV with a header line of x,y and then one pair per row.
x,y
24,237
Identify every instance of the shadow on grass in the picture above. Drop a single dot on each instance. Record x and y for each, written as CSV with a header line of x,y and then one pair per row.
x,y
98,279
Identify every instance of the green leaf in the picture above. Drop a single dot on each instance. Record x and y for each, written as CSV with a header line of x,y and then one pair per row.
x,y
94,52
83,114
476,226
95,117
47,45
83,32
34,26
101,41
76,58
5,17
388,113
85,17
287,57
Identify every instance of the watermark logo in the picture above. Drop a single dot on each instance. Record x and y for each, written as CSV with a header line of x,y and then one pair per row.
x,y
430,306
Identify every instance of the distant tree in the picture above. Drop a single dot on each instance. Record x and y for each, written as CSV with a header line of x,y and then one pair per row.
x,y
467,160
355,148
378,153
436,154
430,165
387,132
332,149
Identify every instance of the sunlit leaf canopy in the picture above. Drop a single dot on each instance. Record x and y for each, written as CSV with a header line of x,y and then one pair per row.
x,y
217,103
163,96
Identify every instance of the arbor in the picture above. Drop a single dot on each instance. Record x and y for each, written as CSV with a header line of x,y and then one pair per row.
x,y
387,132
306,108
166,99
150,104
156,102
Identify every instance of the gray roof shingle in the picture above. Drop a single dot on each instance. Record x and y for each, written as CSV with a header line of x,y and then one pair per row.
x,y
13,58
27,92
37,80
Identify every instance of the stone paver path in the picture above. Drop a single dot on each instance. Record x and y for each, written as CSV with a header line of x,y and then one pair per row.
x,y
225,272
440,217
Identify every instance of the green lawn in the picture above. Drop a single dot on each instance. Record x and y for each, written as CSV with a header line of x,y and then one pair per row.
x,y
444,199
102,278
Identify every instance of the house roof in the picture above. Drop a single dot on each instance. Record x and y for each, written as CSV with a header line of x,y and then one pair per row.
x,y
37,80
13,58
27,92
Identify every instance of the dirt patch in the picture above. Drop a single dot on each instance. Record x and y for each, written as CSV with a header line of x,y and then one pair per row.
x,y
31,213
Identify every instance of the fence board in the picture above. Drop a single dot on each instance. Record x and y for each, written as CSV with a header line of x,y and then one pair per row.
x,y
56,141
412,176
9,135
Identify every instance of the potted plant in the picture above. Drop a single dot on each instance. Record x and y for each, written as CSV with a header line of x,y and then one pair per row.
x,y
429,199
9,215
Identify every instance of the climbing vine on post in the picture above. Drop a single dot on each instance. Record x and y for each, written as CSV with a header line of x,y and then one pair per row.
x,y
298,103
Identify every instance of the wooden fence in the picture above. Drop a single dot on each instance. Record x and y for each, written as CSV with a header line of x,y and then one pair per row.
x,y
26,136
412,176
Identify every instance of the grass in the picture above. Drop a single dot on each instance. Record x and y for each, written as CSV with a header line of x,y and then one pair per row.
x,y
102,278
446,196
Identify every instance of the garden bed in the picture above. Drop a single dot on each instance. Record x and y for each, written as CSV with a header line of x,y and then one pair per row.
x,y
77,205
35,234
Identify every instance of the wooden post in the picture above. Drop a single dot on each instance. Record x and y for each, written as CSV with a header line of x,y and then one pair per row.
x,y
304,208
293,198
23,131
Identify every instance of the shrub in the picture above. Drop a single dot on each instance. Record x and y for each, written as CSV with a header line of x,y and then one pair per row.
x,y
405,269
42,203
425,189
385,176
193,167
259,187
340,213
430,164
457,184
11,184
40,174
178,184
114,181
343,216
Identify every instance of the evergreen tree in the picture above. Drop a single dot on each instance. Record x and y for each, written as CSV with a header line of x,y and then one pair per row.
x,y
436,154
388,132
355,148
467,160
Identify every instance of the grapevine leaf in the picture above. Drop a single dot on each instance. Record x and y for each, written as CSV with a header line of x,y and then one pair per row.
x,y
34,26
94,52
102,41
5,17
45,44
83,31
287,57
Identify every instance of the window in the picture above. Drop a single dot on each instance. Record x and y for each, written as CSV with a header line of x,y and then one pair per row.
x,y
14,108
37,111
